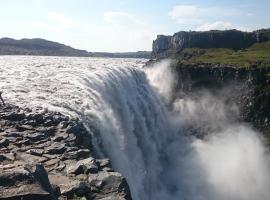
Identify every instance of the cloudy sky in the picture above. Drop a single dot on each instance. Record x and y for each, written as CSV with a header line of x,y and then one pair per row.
x,y
124,25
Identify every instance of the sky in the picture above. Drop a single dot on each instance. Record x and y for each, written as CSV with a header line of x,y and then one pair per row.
x,y
125,25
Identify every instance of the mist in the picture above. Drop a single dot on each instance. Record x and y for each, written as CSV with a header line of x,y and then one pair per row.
x,y
219,157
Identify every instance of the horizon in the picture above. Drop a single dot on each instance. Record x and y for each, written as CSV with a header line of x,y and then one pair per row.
x,y
124,25
115,52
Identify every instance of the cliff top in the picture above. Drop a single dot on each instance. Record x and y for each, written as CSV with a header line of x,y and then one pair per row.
x,y
231,47
258,55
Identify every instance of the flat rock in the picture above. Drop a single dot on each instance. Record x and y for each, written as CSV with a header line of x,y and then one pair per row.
x,y
83,167
56,148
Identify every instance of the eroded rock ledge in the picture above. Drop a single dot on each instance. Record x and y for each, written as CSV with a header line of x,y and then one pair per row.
x,y
46,155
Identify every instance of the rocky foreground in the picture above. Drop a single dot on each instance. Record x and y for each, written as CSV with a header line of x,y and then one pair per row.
x,y
46,155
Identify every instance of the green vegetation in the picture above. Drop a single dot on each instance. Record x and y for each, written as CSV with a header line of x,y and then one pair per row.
x,y
257,55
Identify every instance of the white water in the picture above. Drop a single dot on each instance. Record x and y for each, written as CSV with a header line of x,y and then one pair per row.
x,y
125,108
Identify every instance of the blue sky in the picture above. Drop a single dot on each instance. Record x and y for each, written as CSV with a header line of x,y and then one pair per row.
x,y
124,25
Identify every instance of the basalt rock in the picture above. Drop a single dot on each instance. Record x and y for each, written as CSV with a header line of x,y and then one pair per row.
x,y
51,158
248,88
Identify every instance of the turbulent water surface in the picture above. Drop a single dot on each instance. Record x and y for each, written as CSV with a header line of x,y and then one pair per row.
x,y
133,120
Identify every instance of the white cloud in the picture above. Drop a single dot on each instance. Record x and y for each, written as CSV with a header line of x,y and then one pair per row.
x,y
117,31
193,14
123,19
250,14
218,25
130,29
64,20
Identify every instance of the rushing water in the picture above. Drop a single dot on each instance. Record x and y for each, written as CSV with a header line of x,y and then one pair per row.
x,y
125,109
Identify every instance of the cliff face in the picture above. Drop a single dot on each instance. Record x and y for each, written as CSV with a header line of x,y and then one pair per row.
x,y
248,88
165,46
232,65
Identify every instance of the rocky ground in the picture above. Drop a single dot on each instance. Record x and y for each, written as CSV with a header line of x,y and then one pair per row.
x,y
46,155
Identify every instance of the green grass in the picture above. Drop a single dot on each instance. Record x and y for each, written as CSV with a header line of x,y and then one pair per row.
x,y
257,55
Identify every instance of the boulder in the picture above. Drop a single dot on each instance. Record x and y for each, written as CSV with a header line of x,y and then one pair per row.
x,y
83,167
19,183
109,184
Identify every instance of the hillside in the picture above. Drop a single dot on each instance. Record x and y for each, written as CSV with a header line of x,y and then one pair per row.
x,y
258,55
41,47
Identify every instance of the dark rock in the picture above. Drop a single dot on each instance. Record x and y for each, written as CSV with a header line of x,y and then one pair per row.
x,y
70,186
41,175
38,118
83,167
23,142
36,152
4,142
24,127
8,156
76,154
56,148
110,183
34,137
14,116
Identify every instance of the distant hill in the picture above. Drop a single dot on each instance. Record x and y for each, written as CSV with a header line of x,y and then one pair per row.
x,y
41,47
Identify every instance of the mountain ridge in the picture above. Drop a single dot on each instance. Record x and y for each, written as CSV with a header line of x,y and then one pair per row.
x,y
43,47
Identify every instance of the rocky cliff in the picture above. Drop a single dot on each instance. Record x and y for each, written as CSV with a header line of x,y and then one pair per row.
x,y
165,46
231,65
45,156
248,88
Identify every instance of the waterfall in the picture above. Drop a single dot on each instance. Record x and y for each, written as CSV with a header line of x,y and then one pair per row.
x,y
147,134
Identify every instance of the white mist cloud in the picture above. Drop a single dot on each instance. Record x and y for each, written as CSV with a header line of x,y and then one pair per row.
x,y
236,164
228,162
162,78
193,14
218,25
